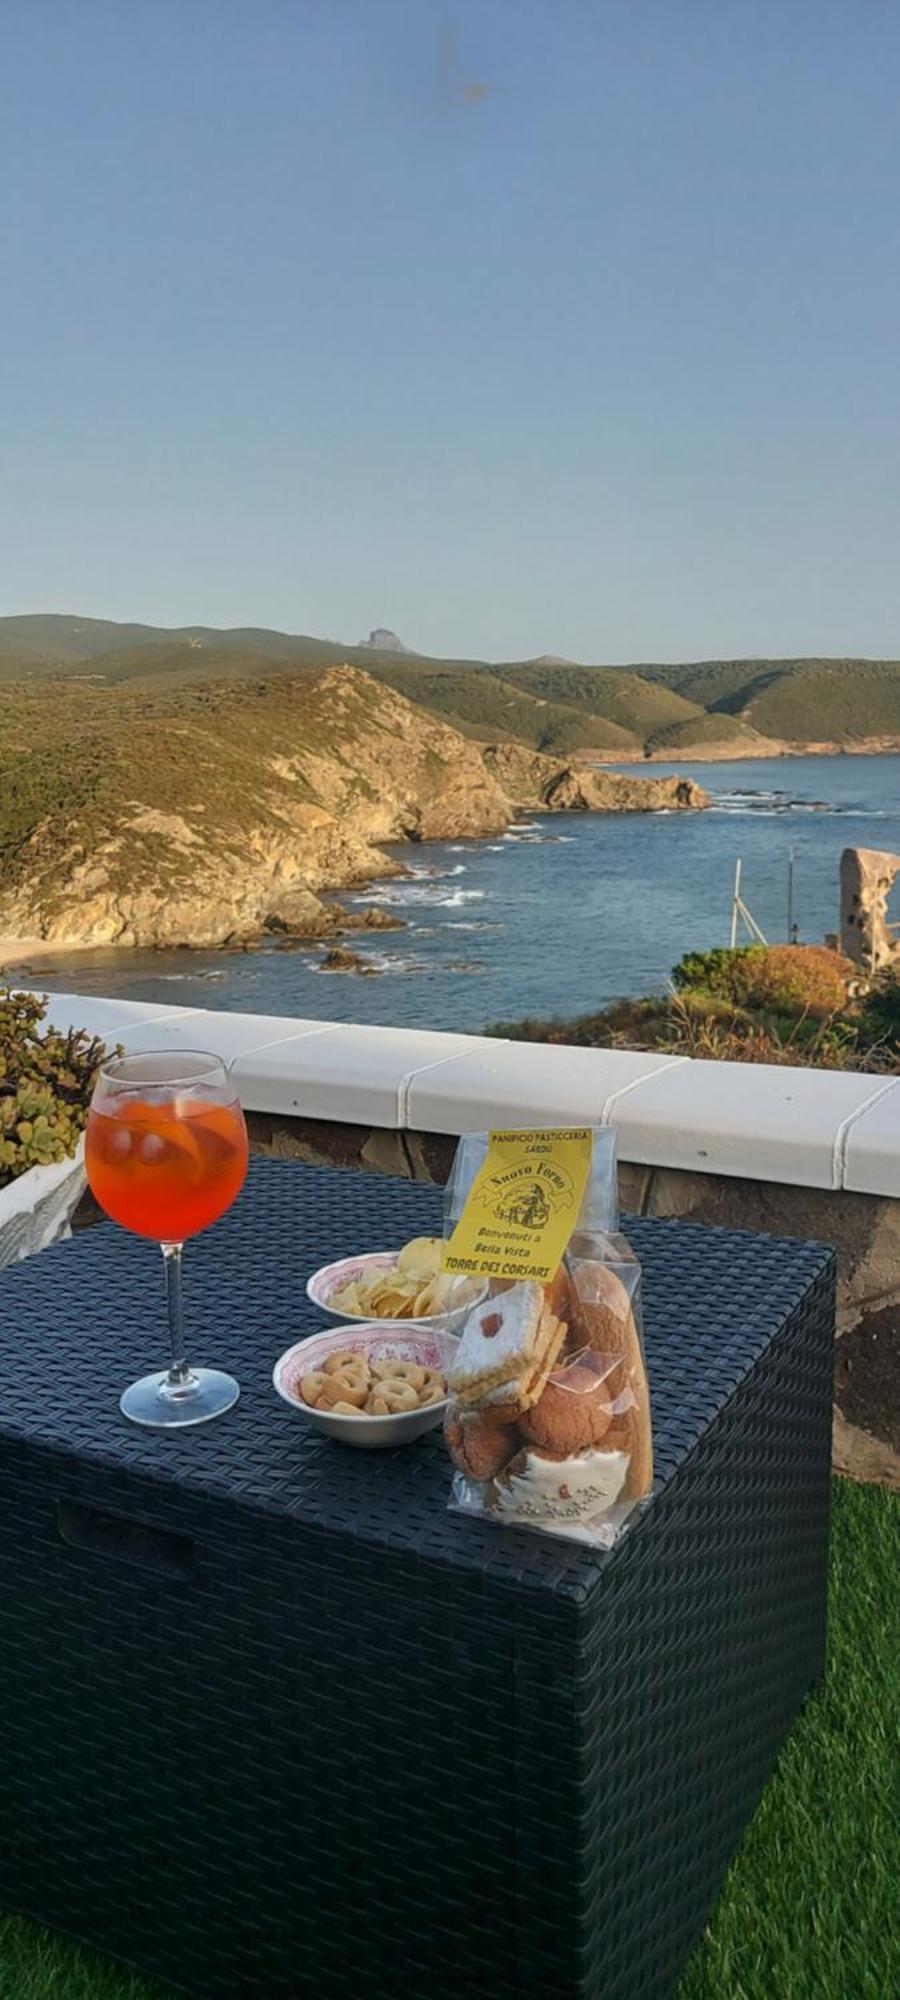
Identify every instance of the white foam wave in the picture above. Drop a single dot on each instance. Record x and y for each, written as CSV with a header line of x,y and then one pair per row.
x,y
405,894
456,924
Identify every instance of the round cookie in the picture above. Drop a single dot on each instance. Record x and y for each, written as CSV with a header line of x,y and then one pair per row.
x,y
480,1449
573,1412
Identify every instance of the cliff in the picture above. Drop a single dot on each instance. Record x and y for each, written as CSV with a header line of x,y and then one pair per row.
x,y
208,813
543,784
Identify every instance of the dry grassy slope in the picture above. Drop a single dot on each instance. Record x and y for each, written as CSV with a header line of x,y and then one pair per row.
x,y
198,813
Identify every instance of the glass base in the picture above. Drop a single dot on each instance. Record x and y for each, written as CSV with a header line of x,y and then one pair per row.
x,y
165,1405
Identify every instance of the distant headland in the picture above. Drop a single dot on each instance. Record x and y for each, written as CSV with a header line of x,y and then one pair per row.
x,y
700,710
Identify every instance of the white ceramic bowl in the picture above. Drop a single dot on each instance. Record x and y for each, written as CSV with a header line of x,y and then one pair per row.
x,y
377,1339
332,1276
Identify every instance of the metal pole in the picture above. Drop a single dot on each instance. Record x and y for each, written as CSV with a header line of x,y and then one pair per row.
x,y
790,908
735,904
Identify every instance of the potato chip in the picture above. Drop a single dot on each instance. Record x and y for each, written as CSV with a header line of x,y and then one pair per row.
x,y
423,1257
415,1287
390,1305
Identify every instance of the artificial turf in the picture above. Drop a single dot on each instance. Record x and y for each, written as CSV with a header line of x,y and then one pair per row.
x,y
810,1909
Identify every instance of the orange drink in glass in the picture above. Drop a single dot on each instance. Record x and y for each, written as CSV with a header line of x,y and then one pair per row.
x,y
166,1155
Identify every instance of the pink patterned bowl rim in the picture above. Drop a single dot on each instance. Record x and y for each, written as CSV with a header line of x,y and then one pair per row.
x,y
377,1340
331,1277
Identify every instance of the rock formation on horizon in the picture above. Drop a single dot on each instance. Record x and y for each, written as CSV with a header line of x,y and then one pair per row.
x,y
382,640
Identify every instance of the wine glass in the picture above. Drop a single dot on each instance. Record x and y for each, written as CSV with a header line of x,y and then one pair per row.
x,y
166,1154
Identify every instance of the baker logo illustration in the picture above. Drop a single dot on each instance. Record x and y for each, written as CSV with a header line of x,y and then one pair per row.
x,y
528,1195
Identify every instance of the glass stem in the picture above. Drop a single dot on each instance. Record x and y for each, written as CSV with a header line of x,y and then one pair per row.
x,y
178,1371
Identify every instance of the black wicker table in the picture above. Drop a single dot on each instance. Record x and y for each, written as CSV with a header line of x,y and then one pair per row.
x,y
275,1723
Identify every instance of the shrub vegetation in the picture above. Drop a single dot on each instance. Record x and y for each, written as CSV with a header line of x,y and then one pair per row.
x,y
783,1004
46,1080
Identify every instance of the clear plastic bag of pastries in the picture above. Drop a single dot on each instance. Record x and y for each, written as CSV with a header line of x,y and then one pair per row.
x,y
548,1423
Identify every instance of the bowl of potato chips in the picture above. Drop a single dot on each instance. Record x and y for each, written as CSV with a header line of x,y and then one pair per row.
x,y
399,1286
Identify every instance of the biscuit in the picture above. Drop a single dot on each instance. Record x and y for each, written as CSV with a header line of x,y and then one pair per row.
x,y
573,1411
499,1342
604,1320
479,1448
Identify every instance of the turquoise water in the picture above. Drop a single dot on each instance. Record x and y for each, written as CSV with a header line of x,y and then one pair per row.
x,y
559,915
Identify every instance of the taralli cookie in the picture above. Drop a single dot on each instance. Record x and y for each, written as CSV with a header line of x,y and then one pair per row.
x,y
389,1398
400,1371
346,1357
574,1410
312,1385
348,1385
480,1449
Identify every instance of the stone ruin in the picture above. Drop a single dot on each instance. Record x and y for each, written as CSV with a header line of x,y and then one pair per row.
x,y
866,880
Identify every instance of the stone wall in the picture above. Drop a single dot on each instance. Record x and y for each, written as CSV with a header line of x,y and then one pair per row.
x,y
864,1229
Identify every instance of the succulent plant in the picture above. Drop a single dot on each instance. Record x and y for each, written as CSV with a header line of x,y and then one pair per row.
x,y
46,1080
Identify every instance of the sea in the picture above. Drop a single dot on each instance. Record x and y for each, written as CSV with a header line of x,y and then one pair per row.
x,y
559,915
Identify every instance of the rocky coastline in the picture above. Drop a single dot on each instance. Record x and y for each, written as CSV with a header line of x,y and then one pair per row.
x,y
742,751
281,795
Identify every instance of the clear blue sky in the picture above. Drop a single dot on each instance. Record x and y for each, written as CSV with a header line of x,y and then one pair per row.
x,y
519,325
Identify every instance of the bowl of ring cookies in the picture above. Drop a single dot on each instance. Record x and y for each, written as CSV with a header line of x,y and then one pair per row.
x,y
368,1384
406,1286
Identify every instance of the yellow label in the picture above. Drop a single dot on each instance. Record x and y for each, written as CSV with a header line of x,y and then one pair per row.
x,y
523,1205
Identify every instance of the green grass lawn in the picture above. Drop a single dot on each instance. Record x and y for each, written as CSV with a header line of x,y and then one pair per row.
x,y
810,1908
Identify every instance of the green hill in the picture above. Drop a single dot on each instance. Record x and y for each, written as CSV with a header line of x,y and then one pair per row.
x,y
481,703
549,704
711,683
622,697
702,730
797,701
827,701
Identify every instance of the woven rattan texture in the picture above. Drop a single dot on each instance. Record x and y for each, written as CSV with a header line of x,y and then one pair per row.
x,y
277,1724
